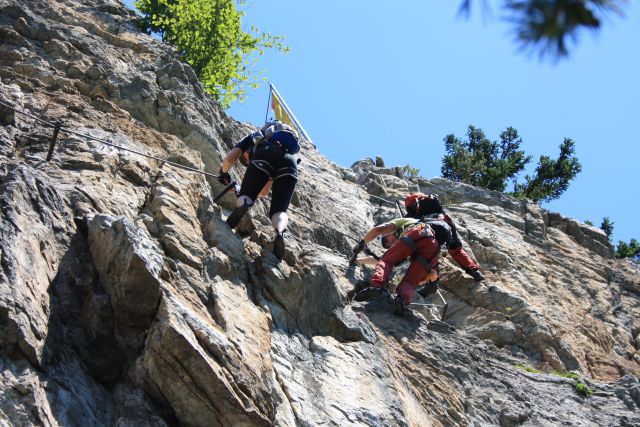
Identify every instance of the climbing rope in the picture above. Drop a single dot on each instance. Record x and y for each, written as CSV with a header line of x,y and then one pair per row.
x,y
102,141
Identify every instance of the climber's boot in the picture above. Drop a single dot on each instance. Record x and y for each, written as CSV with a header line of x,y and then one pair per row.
x,y
278,246
398,306
234,219
370,292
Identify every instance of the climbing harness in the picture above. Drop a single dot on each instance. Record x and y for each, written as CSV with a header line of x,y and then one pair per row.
x,y
426,232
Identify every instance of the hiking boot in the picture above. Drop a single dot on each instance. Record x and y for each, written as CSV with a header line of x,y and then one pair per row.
x,y
234,219
428,289
476,274
278,246
359,286
370,292
398,306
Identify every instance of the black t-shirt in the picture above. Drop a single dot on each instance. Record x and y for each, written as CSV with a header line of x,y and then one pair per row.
x,y
245,145
248,145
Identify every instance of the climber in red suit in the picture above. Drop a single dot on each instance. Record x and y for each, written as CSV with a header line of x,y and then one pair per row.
x,y
420,236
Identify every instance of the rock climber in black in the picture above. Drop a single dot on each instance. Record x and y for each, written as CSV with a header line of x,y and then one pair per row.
x,y
269,157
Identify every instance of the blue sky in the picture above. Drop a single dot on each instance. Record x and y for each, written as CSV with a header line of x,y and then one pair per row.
x,y
392,79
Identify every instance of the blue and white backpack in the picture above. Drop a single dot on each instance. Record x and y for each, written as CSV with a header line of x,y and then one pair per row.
x,y
276,131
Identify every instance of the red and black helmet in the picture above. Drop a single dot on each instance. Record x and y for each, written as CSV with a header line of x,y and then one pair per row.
x,y
420,204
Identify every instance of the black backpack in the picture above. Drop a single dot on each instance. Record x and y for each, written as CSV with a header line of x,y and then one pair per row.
x,y
420,204
441,229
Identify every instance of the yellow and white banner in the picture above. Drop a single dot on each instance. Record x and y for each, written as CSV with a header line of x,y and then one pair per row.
x,y
283,113
279,111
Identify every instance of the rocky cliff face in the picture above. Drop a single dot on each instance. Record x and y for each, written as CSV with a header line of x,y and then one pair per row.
x,y
126,300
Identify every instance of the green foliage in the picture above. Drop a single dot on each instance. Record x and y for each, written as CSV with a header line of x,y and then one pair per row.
x,y
529,369
481,162
550,24
490,164
208,35
570,375
624,249
589,223
628,250
583,389
407,172
607,226
552,177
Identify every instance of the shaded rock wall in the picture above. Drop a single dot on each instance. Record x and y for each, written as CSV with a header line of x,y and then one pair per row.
x,y
126,300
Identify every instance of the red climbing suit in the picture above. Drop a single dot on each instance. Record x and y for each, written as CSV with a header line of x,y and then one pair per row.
x,y
424,249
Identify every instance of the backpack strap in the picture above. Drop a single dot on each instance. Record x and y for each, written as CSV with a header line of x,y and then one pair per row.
x,y
424,262
425,232
427,264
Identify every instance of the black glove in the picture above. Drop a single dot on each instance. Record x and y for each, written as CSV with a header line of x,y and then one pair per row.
x,y
371,253
224,178
356,251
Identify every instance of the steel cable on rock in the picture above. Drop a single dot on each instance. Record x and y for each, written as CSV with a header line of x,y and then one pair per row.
x,y
24,113
111,144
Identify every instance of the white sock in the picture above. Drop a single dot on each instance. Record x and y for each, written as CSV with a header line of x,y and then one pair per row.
x,y
243,200
279,220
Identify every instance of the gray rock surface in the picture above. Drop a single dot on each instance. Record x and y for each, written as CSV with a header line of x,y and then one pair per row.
x,y
126,300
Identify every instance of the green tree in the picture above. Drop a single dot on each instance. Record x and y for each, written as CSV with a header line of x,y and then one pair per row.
x,y
548,25
481,162
408,172
629,250
552,177
607,226
208,35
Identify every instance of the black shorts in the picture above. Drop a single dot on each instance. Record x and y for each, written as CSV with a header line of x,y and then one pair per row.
x,y
270,161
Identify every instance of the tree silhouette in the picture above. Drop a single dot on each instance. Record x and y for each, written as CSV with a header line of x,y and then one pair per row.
x,y
549,25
